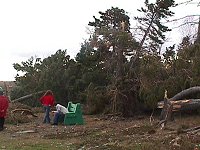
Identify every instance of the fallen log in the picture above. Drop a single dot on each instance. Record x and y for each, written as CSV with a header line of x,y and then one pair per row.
x,y
178,103
180,96
183,105
26,96
186,92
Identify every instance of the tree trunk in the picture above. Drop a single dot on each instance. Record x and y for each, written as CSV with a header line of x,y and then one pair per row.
x,y
183,105
192,105
187,92
119,68
198,34
166,113
26,96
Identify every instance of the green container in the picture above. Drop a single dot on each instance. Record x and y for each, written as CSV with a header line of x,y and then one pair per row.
x,y
74,115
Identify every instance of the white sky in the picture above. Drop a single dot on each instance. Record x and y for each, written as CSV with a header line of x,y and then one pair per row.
x,y
41,27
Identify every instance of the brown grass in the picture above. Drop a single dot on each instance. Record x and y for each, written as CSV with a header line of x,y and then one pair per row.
x,y
101,132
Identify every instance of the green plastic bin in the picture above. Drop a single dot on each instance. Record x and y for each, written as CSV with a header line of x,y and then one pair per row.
x,y
74,115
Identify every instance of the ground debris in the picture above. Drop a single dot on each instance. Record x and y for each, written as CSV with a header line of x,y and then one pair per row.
x,y
26,131
98,133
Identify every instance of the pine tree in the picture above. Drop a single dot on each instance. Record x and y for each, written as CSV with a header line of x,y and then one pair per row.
x,y
150,24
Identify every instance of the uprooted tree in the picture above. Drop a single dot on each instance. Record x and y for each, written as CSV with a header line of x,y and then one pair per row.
x,y
179,102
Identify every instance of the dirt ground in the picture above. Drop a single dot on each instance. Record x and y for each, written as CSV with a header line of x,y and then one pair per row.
x,y
100,133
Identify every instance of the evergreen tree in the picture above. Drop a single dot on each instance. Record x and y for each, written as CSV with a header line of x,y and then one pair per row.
x,y
114,41
150,24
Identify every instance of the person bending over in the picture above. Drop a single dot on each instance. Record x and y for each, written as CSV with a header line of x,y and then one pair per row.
x,y
60,110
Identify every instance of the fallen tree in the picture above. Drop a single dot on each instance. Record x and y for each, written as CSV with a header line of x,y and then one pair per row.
x,y
182,105
178,103
186,92
26,96
22,114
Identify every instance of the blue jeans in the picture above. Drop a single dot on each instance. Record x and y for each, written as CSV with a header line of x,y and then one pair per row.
x,y
56,117
46,117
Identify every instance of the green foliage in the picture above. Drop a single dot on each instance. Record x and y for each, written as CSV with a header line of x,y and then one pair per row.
x,y
58,75
152,77
31,71
150,24
114,42
94,77
27,83
97,99
113,39
109,74
56,72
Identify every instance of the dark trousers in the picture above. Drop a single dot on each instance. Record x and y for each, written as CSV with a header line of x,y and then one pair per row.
x,y
2,120
59,116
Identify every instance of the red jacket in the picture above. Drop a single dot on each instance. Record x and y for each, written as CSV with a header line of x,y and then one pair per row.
x,y
47,100
3,105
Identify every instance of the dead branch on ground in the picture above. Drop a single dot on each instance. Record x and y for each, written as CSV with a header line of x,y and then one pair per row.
x,y
23,112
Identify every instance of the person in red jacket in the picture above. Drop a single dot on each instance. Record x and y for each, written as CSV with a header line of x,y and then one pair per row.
x,y
4,102
47,101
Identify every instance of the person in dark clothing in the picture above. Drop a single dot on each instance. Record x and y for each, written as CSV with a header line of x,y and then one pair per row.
x,y
4,102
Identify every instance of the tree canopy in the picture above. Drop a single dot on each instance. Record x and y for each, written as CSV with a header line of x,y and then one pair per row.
x,y
114,72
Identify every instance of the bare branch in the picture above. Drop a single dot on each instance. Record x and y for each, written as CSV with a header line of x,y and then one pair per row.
x,y
186,3
168,21
192,23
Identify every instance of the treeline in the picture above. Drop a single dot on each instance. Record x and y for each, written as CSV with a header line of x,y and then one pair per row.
x,y
114,72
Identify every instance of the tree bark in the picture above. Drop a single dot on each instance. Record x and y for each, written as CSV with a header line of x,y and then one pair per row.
x,y
166,113
183,105
187,92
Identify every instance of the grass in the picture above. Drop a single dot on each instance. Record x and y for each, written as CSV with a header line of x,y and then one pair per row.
x,y
35,144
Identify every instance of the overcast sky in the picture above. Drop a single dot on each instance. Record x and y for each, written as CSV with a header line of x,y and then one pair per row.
x,y
41,27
